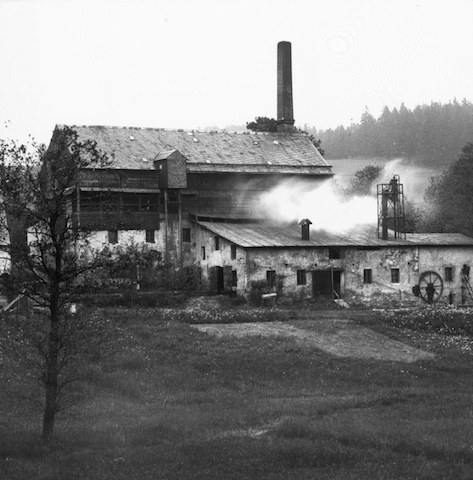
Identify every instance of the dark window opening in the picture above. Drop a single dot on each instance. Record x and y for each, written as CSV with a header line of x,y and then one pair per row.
x,y
150,236
271,278
217,242
203,253
173,196
301,277
367,275
334,253
186,235
234,278
233,251
395,276
113,236
448,274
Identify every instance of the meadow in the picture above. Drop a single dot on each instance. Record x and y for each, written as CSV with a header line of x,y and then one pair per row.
x,y
170,401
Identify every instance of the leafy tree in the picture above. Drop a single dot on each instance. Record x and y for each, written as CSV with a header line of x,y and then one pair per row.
x,y
368,133
449,200
364,180
433,134
413,217
136,263
263,124
36,185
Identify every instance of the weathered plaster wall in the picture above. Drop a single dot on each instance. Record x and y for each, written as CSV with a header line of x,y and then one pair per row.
x,y
219,258
382,290
99,239
286,262
164,242
437,258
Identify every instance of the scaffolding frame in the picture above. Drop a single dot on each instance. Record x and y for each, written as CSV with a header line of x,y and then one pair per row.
x,y
391,219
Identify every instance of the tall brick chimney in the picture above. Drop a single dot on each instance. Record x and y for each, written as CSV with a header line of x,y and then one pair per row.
x,y
285,118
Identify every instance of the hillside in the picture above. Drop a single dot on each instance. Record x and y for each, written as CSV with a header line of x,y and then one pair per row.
x,y
432,135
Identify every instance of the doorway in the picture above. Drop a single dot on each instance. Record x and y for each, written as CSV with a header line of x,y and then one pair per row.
x,y
216,279
327,283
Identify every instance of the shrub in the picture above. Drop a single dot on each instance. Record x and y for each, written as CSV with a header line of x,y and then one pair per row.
x,y
445,320
257,289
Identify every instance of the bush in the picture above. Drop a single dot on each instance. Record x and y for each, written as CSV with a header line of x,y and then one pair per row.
x,y
257,289
195,315
132,298
445,320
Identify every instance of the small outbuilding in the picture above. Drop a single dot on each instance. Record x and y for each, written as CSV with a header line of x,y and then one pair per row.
x,y
355,265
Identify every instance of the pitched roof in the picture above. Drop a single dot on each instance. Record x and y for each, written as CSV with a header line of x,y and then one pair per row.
x,y
251,235
208,151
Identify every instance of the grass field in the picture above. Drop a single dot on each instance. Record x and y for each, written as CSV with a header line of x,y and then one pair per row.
x,y
174,402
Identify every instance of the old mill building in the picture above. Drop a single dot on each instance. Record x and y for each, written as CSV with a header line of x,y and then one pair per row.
x,y
193,196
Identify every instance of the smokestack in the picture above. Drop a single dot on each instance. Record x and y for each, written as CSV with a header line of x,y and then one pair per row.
x,y
285,118
305,225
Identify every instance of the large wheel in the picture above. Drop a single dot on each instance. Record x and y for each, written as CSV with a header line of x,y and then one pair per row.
x,y
430,286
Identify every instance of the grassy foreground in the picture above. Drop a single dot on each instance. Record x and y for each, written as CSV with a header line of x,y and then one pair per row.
x,y
172,402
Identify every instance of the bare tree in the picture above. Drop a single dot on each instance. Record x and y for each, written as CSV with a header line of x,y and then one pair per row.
x,y
36,185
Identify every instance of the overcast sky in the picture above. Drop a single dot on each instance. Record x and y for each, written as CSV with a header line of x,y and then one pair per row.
x,y
198,63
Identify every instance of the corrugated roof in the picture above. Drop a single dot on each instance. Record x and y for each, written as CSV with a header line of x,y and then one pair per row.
x,y
250,235
208,151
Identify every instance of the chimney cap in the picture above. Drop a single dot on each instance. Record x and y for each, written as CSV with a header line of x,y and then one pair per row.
x,y
305,221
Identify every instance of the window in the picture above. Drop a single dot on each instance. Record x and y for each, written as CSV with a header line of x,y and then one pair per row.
x,y
301,277
271,278
186,235
202,251
113,236
449,274
217,242
368,275
233,252
234,278
395,275
333,253
150,236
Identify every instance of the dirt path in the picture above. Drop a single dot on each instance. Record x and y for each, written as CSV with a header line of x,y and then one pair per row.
x,y
342,338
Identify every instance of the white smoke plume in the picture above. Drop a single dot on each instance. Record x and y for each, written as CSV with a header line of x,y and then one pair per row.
x,y
415,178
292,201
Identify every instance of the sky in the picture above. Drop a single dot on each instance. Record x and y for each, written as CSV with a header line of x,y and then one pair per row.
x,y
194,64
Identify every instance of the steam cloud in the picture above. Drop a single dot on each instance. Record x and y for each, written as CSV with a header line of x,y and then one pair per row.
x,y
415,178
293,201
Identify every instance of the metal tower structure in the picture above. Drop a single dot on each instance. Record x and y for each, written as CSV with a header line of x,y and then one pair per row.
x,y
391,221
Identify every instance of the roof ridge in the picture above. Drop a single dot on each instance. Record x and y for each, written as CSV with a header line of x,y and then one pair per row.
x,y
186,130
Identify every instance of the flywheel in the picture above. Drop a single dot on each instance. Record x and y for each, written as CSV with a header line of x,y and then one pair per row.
x,y
430,286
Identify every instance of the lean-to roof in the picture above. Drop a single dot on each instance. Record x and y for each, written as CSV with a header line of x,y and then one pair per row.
x,y
251,235
217,152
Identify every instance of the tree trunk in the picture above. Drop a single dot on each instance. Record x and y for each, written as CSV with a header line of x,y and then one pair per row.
x,y
49,413
51,375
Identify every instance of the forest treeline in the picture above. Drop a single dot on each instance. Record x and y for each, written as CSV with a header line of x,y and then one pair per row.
x,y
433,134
